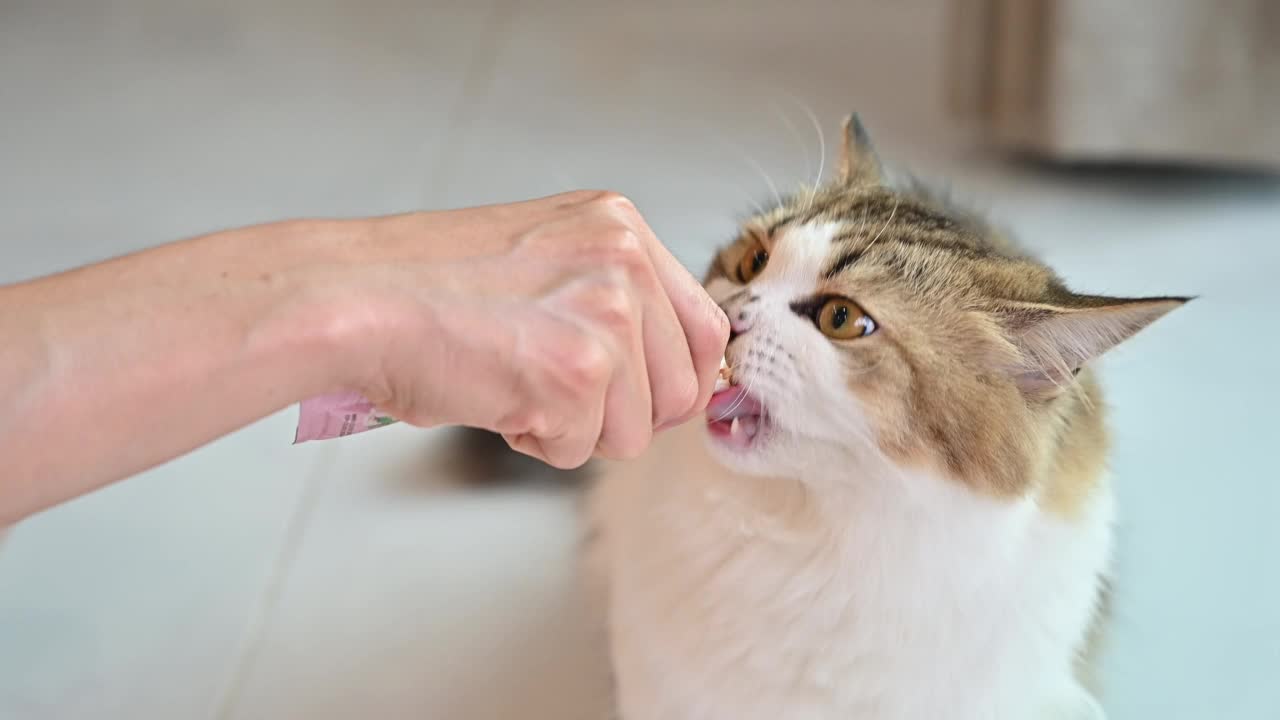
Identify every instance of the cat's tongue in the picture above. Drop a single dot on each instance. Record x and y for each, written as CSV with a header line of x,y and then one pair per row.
x,y
734,416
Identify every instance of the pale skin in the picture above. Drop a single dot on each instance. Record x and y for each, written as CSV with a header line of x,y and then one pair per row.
x,y
562,323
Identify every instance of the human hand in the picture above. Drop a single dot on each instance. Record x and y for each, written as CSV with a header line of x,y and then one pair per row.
x,y
561,323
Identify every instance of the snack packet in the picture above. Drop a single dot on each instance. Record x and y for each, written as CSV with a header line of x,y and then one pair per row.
x,y
342,414
338,415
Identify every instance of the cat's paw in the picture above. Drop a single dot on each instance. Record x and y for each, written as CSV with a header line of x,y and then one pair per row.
x,y
1074,704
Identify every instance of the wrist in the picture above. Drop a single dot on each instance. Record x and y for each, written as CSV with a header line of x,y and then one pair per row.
x,y
316,321
352,315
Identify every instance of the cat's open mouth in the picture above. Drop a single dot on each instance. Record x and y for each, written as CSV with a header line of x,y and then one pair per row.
x,y
735,417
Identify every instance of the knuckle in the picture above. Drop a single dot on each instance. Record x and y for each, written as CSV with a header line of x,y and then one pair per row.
x,y
614,202
524,421
604,202
612,305
566,453
624,247
625,260
581,197
584,365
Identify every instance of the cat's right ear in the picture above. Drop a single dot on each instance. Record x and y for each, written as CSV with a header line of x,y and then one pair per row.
x,y
1054,340
859,164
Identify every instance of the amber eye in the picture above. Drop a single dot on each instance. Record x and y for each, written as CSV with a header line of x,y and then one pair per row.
x,y
842,319
753,261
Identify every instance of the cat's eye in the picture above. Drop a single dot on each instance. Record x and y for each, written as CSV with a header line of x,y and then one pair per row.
x,y
842,319
753,261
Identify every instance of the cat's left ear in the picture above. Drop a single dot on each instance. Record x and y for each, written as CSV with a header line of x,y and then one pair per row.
x,y
859,164
1055,340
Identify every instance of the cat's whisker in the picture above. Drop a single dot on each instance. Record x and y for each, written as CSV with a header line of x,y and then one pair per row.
x,y
744,155
822,145
797,136
702,128
892,212
756,206
746,390
768,180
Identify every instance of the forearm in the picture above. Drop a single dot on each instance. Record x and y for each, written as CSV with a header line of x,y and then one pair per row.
x,y
114,368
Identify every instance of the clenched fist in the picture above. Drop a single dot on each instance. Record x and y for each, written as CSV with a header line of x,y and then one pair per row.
x,y
561,323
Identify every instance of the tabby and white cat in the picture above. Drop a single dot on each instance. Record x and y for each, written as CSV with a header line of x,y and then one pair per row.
x,y
899,509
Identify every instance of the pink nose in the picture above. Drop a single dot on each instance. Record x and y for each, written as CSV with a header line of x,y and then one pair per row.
x,y
738,324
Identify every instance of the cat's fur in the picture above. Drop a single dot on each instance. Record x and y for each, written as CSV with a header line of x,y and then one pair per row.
x,y
922,529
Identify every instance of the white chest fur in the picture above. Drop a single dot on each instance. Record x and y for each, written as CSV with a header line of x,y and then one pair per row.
x,y
890,597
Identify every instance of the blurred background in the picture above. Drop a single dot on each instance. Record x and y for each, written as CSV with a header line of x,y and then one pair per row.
x,y
1134,145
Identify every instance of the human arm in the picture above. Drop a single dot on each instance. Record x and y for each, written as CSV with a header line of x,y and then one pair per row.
x,y
561,323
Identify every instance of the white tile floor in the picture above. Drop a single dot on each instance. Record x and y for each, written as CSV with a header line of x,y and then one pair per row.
x,y
254,579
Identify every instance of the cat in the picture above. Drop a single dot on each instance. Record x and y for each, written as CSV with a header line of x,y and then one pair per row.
x,y
899,507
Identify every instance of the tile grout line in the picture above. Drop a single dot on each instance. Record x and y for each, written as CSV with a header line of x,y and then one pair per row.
x,y
475,84
315,483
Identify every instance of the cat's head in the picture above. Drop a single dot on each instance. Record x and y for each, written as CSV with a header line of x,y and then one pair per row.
x,y
869,320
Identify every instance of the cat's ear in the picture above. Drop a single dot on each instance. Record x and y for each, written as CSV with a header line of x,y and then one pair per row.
x,y
1055,340
859,164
